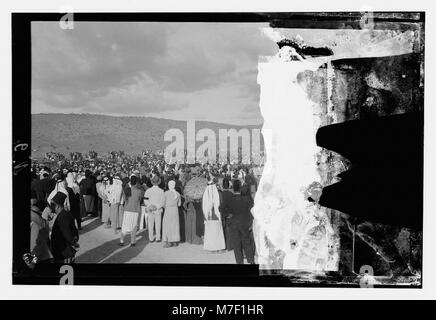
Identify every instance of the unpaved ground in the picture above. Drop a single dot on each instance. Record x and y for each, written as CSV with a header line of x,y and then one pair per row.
x,y
100,245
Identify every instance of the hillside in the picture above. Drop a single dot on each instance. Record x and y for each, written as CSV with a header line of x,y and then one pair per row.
x,y
67,133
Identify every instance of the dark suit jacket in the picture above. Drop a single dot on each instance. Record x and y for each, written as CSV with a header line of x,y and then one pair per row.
x,y
74,202
64,236
40,189
225,197
239,207
87,186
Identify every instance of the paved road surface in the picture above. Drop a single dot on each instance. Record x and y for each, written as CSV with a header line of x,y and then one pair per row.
x,y
100,245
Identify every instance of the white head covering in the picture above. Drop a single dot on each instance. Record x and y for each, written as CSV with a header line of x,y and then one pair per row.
x,y
72,184
116,191
171,187
80,178
211,199
60,187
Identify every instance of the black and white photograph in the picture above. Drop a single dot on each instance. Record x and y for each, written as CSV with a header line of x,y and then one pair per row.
x,y
259,149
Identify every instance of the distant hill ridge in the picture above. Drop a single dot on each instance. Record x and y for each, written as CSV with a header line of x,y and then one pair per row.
x,y
67,133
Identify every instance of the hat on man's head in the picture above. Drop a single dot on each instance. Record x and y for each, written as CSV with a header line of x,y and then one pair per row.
x,y
59,198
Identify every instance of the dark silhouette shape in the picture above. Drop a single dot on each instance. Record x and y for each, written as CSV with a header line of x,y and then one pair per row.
x,y
385,182
305,50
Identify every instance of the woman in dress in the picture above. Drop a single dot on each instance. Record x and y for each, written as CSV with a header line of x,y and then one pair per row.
x,y
171,224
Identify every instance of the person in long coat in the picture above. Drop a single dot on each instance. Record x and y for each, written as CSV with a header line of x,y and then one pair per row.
x,y
225,196
199,218
247,192
98,208
213,235
73,190
171,223
89,192
82,193
64,236
143,216
190,222
39,232
104,193
237,210
116,201
179,189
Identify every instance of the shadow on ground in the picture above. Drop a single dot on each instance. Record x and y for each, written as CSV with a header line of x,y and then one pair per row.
x,y
129,253
90,226
100,253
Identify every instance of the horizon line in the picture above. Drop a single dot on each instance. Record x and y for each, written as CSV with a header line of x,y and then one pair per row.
x,y
135,116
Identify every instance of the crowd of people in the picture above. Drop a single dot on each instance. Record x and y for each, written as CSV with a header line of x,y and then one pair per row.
x,y
201,204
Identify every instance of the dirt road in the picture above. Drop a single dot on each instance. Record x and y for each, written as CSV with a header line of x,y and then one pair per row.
x,y
100,245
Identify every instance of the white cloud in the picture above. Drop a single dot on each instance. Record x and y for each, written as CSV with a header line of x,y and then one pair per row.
x,y
177,70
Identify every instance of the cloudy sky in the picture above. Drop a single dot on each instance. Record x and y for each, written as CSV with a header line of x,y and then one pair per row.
x,y
202,71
